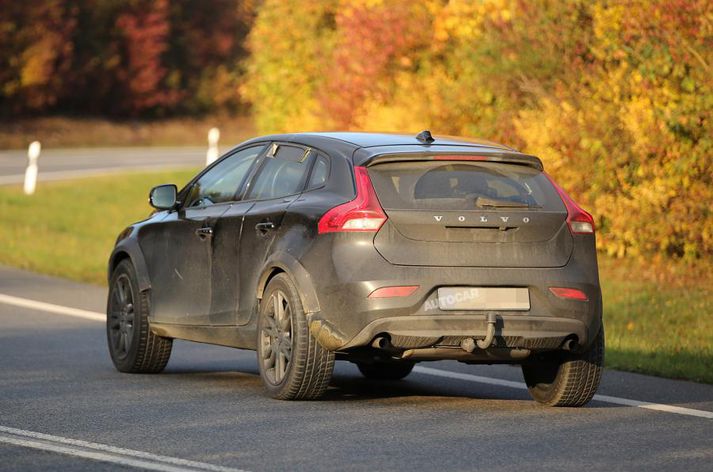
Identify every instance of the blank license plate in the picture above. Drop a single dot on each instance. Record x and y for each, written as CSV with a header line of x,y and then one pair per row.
x,y
483,298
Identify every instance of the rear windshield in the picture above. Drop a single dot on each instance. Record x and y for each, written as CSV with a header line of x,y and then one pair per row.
x,y
444,185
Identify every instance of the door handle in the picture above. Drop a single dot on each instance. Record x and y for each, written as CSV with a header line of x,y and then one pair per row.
x,y
265,226
205,232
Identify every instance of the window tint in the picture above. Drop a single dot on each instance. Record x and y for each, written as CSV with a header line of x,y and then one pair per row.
x,y
320,172
282,174
221,182
430,185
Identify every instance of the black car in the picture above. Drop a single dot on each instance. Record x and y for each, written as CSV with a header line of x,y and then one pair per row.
x,y
383,250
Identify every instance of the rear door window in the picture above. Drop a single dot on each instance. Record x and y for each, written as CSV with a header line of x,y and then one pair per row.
x,y
283,173
456,185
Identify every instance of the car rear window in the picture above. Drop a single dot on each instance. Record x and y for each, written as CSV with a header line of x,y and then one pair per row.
x,y
457,185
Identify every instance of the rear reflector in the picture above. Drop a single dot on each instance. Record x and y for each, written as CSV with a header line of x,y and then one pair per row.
x,y
391,292
578,220
569,293
364,213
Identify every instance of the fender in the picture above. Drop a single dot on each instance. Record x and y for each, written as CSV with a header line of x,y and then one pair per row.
x,y
128,246
285,262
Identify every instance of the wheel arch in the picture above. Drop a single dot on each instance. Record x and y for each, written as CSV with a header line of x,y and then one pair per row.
x,y
130,250
287,264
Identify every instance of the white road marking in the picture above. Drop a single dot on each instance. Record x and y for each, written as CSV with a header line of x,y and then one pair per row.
x,y
51,308
104,452
601,398
95,316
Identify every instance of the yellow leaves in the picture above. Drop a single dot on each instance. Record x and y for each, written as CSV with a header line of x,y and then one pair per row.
x,y
463,20
640,121
354,4
607,24
37,60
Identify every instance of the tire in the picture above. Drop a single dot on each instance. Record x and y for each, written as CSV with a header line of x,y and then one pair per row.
x,y
565,379
292,364
386,370
132,345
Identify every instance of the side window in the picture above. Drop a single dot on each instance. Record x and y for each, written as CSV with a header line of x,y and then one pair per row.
x,y
282,174
220,183
320,172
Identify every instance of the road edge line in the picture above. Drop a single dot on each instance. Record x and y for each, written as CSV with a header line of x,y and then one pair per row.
x,y
662,407
51,308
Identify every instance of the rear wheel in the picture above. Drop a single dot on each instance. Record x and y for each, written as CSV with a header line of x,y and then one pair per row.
x,y
293,365
132,345
566,379
385,370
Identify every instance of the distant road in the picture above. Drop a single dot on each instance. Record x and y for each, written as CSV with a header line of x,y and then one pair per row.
x,y
59,164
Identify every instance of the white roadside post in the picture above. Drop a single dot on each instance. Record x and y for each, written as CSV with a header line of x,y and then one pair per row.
x,y
33,153
212,154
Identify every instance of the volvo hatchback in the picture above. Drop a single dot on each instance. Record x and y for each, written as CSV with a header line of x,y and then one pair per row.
x,y
382,250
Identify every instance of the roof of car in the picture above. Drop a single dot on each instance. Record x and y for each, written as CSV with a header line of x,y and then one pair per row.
x,y
400,139
363,147
383,139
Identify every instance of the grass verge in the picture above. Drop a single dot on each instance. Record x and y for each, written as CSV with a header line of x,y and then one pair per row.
x,y
656,323
69,228
63,132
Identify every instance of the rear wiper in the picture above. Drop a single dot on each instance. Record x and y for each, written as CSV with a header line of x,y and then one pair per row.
x,y
483,202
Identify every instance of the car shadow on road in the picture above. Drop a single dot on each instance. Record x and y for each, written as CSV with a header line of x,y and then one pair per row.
x,y
352,387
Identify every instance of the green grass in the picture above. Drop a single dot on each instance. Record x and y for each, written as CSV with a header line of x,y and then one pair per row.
x,y
65,131
658,318
69,228
663,327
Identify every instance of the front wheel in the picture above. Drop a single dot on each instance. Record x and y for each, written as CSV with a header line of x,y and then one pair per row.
x,y
293,366
566,379
132,345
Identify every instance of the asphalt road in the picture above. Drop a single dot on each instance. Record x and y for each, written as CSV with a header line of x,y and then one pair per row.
x,y
64,407
57,164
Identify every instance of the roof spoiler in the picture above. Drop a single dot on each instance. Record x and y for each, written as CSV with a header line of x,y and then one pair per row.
x,y
505,157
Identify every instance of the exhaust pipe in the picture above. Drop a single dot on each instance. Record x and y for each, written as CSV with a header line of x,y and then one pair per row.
x,y
491,319
570,345
381,342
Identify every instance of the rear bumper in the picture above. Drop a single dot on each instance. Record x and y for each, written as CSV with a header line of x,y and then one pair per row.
x,y
448,331
348,318
512,331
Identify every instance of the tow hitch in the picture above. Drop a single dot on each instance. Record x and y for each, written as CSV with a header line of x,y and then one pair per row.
x,y
469,344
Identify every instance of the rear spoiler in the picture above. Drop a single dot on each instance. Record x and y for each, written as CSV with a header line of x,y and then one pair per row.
x,y
505,157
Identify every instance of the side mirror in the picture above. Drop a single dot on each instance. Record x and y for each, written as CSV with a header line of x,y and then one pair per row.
x,y
163,197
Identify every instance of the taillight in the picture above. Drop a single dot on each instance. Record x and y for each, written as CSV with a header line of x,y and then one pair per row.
x,y
569,293
364,213
578,220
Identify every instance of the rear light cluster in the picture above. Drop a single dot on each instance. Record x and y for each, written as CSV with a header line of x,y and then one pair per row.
x,y
364,213
578,220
